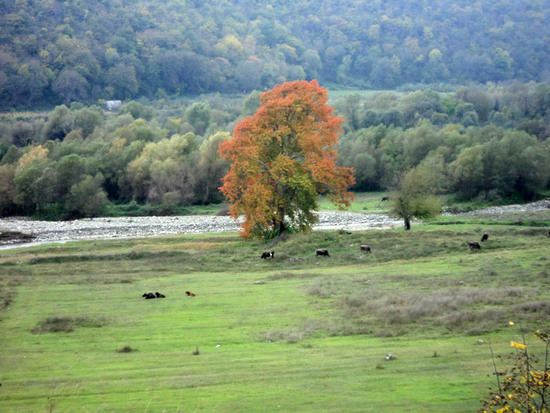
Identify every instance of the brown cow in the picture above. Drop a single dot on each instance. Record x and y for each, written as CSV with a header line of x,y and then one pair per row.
x,y
190,294
365,248
322,252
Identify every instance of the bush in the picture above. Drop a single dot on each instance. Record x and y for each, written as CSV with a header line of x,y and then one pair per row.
x,y
126,349
65,324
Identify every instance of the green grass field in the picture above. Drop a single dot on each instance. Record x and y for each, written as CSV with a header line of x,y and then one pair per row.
x,y
292,334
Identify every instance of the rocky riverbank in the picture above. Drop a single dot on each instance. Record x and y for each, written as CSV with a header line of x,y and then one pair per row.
x,y
129,227
39,232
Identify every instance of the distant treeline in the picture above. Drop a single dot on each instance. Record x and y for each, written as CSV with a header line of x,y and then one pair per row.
x,y
55,52
78,160
490,144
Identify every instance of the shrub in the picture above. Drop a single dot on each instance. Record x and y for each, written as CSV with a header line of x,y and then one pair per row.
x,y
126,349
64,324
54,325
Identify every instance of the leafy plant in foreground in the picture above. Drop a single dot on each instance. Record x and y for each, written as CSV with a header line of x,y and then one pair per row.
x,y
525,387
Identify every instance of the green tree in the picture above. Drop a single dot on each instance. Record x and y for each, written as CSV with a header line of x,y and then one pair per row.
x,y
8,191
88,119
60,122
212,168
251,103
69,171
198,116
122,78
138,110
71,86
87,197
166,166
467,171
414,198
32,179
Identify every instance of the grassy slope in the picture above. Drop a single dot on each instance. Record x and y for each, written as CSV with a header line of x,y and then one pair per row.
x,y
297,333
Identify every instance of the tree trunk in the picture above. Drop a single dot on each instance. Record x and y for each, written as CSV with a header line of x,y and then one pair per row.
x,y
407,224
282,227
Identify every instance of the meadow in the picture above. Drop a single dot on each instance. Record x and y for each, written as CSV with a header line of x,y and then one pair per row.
x,y
296,333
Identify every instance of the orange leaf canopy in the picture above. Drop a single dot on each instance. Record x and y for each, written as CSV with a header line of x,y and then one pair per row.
x,y
282,157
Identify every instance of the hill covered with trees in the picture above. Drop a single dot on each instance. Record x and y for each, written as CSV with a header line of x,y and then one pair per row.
x,y
54,52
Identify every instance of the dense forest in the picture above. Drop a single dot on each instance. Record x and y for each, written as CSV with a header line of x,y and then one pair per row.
x,y
55,52
488,145
463,93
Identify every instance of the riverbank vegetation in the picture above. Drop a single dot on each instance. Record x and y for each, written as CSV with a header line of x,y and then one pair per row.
x,y
159,157
406,326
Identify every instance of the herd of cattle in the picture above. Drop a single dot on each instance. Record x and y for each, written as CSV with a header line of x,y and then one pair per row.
x,y
318,252
365,248
324,253
475,245
149,296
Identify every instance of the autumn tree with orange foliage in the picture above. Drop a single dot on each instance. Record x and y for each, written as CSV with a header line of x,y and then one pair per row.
x,y
282,158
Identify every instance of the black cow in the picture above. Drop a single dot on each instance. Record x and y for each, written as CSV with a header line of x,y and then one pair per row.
x,y
159,295
268,254
365,248
190,294
385,198
322,252
149,296
485,237
474,246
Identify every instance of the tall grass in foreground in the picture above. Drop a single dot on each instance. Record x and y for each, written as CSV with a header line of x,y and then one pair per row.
x,y
293,333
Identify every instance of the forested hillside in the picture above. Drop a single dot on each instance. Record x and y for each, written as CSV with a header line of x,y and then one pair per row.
x,y
54,52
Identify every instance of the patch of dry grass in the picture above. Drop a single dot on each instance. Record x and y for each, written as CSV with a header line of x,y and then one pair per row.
x,y
65,324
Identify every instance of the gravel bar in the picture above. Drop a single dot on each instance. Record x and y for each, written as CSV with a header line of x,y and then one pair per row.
x,y
131,227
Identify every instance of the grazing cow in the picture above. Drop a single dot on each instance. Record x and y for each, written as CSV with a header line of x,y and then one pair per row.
x,y
548,234
148,296
322,252
268,254
474,246
485,237
159,295
190,294
365,248
385,198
